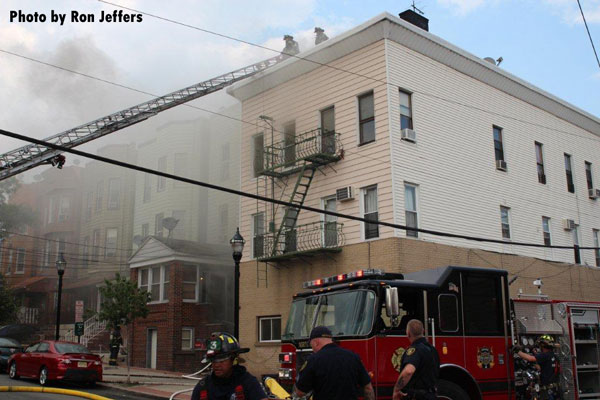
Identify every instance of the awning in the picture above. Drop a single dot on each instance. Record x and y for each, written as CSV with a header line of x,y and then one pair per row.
x,y
539,326
32,284
88,282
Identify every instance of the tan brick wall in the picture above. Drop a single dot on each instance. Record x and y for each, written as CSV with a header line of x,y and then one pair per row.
x,y
561,281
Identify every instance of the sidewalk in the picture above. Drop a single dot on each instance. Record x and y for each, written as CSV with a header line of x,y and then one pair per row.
x,y
147,382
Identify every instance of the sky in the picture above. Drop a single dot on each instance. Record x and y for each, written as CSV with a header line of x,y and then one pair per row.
x,y
543,42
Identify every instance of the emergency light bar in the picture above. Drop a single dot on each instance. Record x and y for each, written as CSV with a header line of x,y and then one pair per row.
x,y
350,276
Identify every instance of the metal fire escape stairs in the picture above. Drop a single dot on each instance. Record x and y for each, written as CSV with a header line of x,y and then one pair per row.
x,y
32,155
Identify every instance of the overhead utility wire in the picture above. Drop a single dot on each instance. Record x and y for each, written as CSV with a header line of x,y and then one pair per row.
x,y
588,32
269,200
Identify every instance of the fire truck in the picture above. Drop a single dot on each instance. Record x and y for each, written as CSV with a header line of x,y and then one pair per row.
x,y
468,316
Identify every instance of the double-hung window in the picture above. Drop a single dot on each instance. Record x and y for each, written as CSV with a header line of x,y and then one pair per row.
x,y
258,150
269,329
410,207
370,211
328,130
156,281
596,234
505,221
588,175
575,233
546,229
114,193
366,116
99,195
258,235
539,156
110,245
20,267
569,173
63,208
158,224
405,111
499,148
187,339
194,284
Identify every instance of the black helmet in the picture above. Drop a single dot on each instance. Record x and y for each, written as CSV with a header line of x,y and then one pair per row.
x,y
222,345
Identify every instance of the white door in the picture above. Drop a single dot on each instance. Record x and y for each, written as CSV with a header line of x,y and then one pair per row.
x,y
152,348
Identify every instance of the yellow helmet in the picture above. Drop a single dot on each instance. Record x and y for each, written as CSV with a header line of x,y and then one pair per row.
x,y
545,341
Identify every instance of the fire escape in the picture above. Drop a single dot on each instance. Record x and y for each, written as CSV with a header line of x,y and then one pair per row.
x,y
292,164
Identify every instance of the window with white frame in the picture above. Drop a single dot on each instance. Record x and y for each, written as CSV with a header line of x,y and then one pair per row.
x,y
145,230
10,261
161,181
370,211
180,168
596,234
505,221
569,174
114,193
330,238
258,232
258,150
546,229
99,195
366,117
498,143
575,233
405,111
110,245
187,338
588,175
20,267
410,209
156,281
269,329
225,156
539,157
158,224
289,142
179,231
328,130
63,209
194,284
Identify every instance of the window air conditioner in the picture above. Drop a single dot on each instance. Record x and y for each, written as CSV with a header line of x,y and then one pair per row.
x,y
344,194
501,165
594,193
569,224
408,135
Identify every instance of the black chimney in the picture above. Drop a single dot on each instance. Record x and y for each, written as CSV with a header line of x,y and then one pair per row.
x,y
415,19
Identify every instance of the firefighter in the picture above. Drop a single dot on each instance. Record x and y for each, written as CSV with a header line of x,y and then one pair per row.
x,y
116,340
320,35
333,373
291,46
419,368
228,380
549,366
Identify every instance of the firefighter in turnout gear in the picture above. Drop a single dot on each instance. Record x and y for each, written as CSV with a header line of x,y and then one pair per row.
x,y
420,367
548,364
228,380
116,340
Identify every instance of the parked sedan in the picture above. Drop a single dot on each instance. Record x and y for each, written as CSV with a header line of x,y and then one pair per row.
x,y
8,347
51,360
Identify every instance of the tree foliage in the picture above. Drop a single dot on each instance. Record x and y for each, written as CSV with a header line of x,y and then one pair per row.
x,y
13,217
123,302
8,304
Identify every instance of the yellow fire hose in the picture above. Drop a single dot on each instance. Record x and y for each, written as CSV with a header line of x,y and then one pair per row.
x,y
52,390
276,389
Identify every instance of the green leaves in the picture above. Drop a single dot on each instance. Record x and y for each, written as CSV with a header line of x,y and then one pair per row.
x,y
8,304
123,302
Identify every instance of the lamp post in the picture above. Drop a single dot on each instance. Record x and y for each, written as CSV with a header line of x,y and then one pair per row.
x,y
60,268
237,245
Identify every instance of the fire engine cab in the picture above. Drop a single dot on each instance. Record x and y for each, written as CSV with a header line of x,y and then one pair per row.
x,y
468,317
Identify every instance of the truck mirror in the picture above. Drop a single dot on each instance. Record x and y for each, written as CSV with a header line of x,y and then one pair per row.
x,y
391,302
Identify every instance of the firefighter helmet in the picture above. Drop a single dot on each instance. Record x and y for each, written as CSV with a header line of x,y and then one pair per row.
x,y
221,346
545,341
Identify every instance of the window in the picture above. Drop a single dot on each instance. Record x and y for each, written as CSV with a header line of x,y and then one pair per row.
x,y
158,226
180,168
258,162
63,209
194,284
145,230
85,251
187,338
410,206
588,175
539,156
291,240
99,195
51,210
569,173
20,268
448,312
95,244
498,146
114,193
110,249
330,237
575,233
179,231
596,234
546,229
258,232
161,181
505,219
366,116
482,297
225,156
405,111
269,329
289,143
156,281
147,188
88,205
370,211
328,130
10,261
48,253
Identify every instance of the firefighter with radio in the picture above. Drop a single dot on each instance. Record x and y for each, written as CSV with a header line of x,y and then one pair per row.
x,y
419,368
549,366
228,380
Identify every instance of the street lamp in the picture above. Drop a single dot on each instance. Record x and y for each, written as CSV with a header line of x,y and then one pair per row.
x,y
237,245
60,268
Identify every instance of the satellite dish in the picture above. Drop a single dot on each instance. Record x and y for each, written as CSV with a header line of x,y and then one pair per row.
x,y
490,60
137,240
170,223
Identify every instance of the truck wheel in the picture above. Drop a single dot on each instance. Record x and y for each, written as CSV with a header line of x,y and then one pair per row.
x,y
451,391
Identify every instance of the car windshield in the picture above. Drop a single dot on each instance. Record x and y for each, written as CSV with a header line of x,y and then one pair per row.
x,y
345,314
6,342
71,348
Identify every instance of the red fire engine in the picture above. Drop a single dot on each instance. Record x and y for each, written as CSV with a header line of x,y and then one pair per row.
x,y
468,317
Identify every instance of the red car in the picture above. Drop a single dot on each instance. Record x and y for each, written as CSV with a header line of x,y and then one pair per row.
x,y
51,360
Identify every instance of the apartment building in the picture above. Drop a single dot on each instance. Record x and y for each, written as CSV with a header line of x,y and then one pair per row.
x,y
391,123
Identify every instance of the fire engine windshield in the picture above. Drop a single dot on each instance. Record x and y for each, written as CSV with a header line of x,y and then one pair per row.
x,y
345,314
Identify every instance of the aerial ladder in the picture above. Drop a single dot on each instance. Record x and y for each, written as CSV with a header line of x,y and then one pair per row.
x,y
32,155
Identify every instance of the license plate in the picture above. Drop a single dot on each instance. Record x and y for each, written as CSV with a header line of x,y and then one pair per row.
x,y
82,364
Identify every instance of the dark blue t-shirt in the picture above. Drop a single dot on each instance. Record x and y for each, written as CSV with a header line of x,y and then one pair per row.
x,y
222,388
549,367
333,373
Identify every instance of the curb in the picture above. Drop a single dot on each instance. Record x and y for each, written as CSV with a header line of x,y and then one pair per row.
x,y
115,387
52,390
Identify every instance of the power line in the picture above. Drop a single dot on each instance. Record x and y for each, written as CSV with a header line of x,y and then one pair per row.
x,y
275,201
588,32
